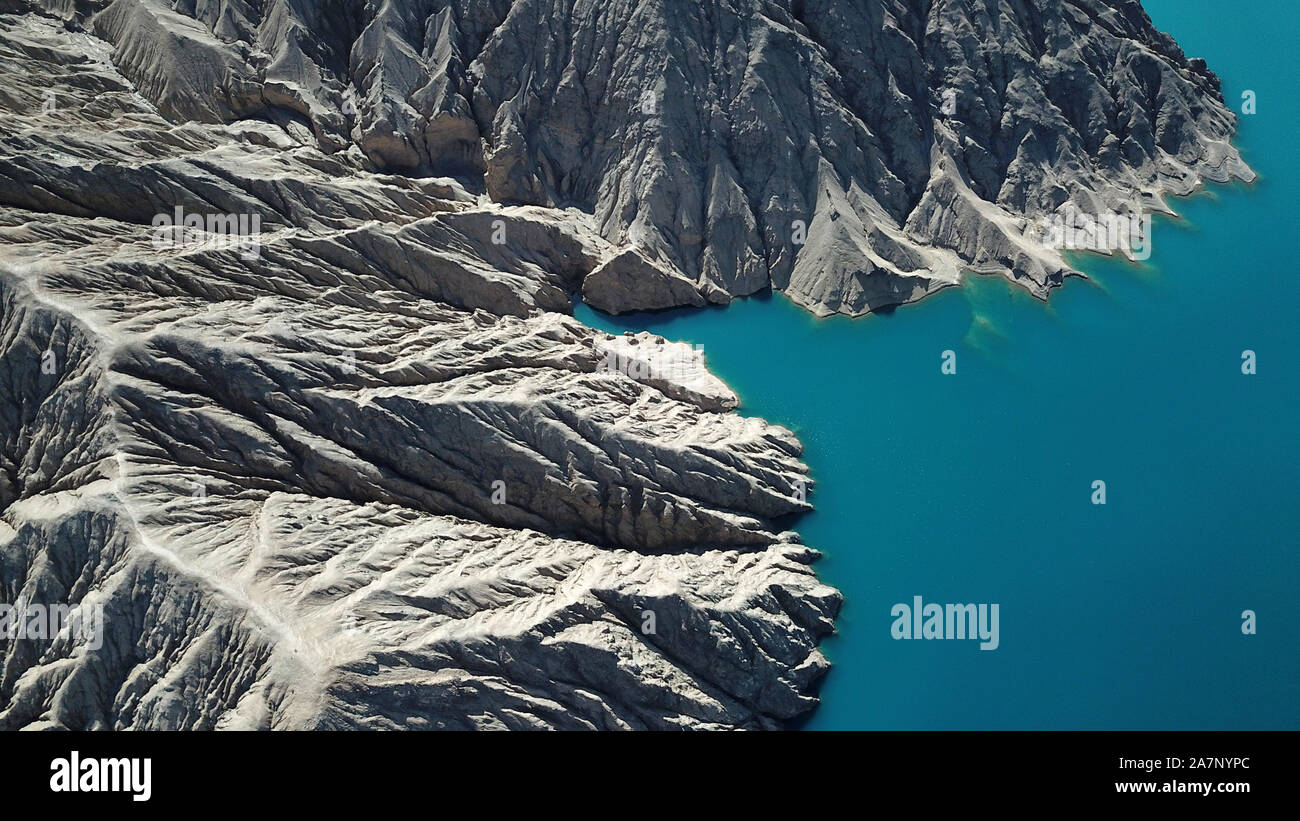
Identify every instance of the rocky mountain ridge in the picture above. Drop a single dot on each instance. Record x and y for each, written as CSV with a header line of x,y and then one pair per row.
x,y
853,155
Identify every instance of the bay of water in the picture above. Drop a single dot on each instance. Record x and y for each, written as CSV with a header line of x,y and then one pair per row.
x,y
976,487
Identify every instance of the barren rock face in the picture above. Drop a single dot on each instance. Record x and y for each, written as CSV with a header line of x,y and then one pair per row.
x,y
855,155
336,454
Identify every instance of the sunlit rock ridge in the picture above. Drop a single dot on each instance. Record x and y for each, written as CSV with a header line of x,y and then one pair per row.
x,y
369,472
693,135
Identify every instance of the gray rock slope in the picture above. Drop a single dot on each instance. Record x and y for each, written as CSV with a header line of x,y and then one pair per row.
x,y
374,474
698,135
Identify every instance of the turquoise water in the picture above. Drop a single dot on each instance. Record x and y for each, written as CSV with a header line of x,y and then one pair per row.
x,y
977,487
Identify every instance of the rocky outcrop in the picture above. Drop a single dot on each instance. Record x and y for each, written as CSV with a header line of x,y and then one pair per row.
x,y
629,279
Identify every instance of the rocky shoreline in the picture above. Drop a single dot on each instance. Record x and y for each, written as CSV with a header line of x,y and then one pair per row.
x,y
360,467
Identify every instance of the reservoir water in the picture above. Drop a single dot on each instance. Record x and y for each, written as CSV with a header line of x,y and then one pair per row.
x,y
977,487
